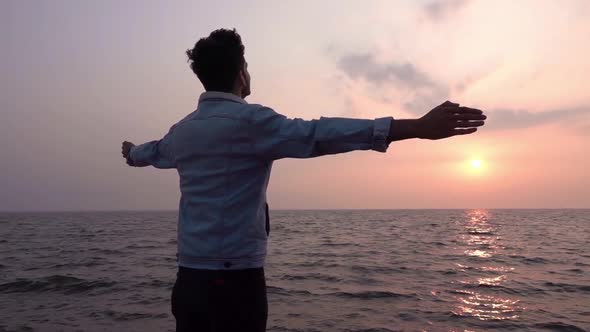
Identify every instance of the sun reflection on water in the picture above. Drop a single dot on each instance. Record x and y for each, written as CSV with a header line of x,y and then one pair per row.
x,y
486,307
478,253
480,243
491,281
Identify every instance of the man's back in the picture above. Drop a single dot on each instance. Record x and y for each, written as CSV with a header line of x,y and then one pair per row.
x,y
222,219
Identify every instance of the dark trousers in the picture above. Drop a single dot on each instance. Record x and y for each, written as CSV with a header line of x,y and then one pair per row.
x,y
220,301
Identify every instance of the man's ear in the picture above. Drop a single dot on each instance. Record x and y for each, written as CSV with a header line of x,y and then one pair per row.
x,y
243,77
239,81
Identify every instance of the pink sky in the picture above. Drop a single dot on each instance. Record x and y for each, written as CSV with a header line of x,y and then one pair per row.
x,y
80,77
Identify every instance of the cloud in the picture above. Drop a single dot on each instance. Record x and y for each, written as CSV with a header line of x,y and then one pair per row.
x,y
423,101
515,119
400,74
421,91
439,10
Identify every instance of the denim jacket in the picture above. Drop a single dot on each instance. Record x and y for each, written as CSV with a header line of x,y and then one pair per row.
x,y
223,153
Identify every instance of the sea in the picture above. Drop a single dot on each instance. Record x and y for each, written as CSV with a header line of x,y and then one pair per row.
x,y
327,270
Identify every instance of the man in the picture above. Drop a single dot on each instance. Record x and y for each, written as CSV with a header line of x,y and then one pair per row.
x,y
223,153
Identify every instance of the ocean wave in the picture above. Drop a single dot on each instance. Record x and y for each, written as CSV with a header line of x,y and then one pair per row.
x,y
311,276
126,316
377,269
569,288
112,252
476,284
559,326
142,246
155,283
95,261
276,328
481,232
20,328
379,329
335,244
530,260
287,292
498,288
367,295
54,283
328,254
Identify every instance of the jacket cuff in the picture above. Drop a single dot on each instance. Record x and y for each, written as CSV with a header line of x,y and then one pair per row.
x,y
380,133
130,158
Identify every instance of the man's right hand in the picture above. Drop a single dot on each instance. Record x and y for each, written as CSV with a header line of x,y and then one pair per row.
x,y
449,119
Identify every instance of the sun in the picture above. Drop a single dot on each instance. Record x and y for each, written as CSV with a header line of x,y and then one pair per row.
x,y
475,167
476,164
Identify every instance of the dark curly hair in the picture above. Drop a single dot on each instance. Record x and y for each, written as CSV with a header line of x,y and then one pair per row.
x,y
217,59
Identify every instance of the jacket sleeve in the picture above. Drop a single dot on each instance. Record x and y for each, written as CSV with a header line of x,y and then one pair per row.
x,y
155,153
276,136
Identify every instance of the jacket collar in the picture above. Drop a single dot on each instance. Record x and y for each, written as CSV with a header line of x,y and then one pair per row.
x,y
217,95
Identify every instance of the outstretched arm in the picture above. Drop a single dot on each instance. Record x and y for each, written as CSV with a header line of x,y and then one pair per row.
x,y
154,153
276,136
279,137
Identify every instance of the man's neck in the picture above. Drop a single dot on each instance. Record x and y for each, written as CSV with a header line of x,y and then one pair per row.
x,y
223,95
238,92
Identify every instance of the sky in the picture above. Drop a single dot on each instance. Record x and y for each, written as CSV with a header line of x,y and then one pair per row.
x,y
79,77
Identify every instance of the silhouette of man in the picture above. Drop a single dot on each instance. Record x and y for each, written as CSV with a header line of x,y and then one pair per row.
x,y
223,152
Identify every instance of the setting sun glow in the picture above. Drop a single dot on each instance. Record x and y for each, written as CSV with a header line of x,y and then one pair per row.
x,y
475,167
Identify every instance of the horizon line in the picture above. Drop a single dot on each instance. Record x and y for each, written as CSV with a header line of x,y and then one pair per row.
x,y
300,209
